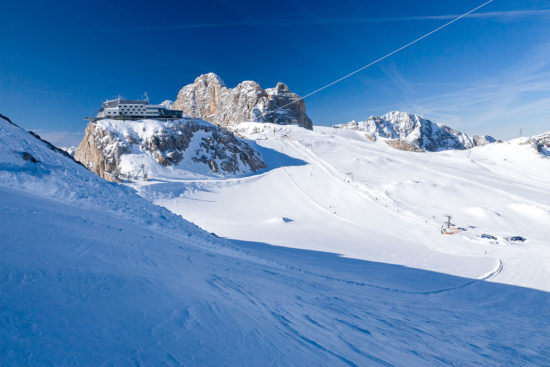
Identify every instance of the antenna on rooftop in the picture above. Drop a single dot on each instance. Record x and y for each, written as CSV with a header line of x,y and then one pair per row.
x,y
520,133
146,97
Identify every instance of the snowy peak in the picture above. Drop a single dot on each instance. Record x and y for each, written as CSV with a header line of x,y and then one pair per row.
x,y
210,99
209,79
167,104
186,148
413,132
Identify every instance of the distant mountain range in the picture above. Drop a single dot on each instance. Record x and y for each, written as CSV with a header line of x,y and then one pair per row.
x,y
204,144
210,99
412,132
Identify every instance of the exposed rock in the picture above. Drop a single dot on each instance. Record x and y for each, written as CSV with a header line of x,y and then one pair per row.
x,y
415,131
403,145
210,99
482,140
188,144
371,137
100,151
7,119
541,143
29,157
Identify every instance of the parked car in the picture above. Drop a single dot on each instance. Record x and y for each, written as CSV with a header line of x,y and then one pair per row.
x,y
517,239
488,236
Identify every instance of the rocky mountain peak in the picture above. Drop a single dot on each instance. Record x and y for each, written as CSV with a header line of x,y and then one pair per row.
x,y
281,88
413,132
125,149
209,79
210,99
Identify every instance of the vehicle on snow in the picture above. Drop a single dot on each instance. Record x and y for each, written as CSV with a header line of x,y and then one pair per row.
x,y
518,239
488,236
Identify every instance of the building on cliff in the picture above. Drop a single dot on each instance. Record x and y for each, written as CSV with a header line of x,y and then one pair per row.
x,y
128,109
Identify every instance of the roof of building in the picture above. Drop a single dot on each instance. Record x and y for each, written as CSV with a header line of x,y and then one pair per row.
x,y
118,101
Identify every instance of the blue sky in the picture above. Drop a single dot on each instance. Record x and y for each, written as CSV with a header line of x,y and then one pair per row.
x,y
487,73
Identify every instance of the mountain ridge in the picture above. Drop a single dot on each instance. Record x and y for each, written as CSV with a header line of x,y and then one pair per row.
x,y
413,132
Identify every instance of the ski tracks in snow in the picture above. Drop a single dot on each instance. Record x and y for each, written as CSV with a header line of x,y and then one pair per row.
x,y
488,276
359,188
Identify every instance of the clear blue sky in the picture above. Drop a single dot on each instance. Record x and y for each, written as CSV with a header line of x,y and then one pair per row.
x,y
488,73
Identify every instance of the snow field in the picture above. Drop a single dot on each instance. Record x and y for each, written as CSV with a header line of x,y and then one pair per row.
x,y
92,274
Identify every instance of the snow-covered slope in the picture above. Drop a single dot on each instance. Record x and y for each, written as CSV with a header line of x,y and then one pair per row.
x,y
58,177
126,149
413,132
346,194
92,274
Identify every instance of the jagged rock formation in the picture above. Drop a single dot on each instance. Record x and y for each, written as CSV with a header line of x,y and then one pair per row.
x,y
122,149
482,140
541,143
415,133
209,98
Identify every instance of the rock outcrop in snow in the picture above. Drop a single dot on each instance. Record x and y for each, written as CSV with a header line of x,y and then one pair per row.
x,y
413,132
32,165
541,143
210,99
118,149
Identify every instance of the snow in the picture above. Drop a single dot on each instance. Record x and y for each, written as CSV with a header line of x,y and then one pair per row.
x,y
417,131
395,198
69,150
167,104
92,274
143,129
137,133
132,163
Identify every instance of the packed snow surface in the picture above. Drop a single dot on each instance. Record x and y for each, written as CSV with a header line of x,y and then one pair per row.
x,y
348,195
92,274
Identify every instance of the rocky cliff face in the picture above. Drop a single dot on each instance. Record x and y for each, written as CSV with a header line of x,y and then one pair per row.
x,y
414,133
209,98
186,148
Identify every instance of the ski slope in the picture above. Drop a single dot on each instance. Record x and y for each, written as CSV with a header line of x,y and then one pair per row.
x,y
336,191
92,274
